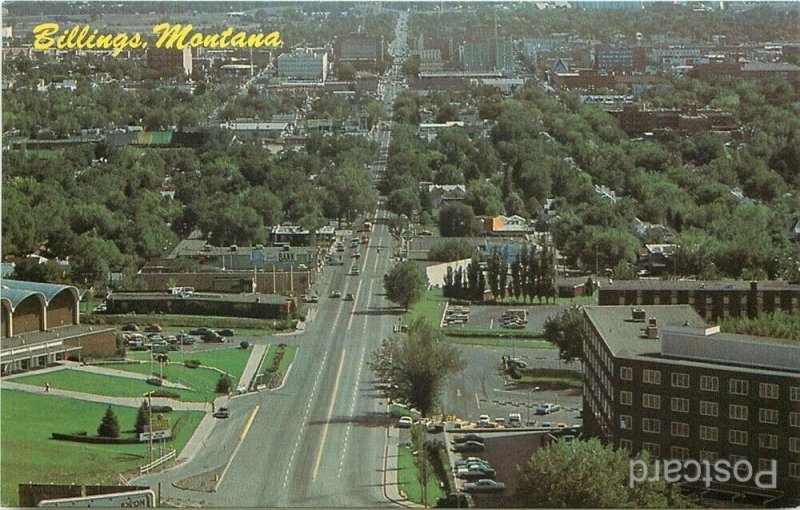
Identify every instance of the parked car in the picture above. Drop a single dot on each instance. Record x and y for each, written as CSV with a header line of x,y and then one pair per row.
x,y
161,346
222,412
335,294
484,485
354,271
547,408
212,336
515,420
226,332
348,297
405,422
200,331
468,437
469,446
153,328
186,339
476,472
435,427
456,500
130,327
472,461
513,325
484,420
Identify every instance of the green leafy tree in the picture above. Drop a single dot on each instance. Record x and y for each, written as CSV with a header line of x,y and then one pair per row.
x,y
109,426
224,384
450,250
588,474
457,220
419,365
142,418
405,283
565,331
403,201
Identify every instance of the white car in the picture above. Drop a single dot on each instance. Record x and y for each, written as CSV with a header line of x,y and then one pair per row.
x,y
405,422
484,420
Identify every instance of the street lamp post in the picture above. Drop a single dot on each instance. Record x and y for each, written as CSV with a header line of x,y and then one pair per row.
x,y
528,406
149,396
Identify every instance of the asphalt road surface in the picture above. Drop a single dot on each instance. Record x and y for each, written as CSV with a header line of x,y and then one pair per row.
x,y
319,441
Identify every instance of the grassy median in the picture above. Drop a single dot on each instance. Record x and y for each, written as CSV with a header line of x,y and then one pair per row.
x,y
408,479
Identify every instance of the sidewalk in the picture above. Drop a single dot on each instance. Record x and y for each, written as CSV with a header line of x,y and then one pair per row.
x,y
177,405
252,365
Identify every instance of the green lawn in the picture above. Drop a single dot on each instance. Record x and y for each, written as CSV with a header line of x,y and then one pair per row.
x,y
99,384
29,455
499,342
408,482
231,361
266,363
431,306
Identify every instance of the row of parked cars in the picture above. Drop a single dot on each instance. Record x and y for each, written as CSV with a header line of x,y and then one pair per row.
x,y
514,319
478,474
152,337
456,315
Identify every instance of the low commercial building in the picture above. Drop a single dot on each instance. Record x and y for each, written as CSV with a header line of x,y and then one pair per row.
x,y
248,257
713,300
659,378
256,306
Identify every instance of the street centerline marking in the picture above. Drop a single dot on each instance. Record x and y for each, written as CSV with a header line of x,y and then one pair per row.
x,y
328,418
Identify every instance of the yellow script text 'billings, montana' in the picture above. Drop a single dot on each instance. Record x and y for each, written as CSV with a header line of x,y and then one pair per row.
x,y
170,36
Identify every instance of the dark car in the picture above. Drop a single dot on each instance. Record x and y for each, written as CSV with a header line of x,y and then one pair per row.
x,y
475,473
472,461
469,446
223,412
200,331
212,337
226,332
485,485
130,327
468,437
456,500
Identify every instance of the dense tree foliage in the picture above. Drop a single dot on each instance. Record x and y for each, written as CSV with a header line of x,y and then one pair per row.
x,y
418,363
588,474
405,283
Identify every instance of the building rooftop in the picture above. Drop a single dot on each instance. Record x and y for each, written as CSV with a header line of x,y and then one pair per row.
x,y
199,247
685,338
770,66
59,333
274,299
653,284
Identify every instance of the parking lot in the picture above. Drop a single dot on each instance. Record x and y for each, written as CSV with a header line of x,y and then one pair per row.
x,y
490,316
481,389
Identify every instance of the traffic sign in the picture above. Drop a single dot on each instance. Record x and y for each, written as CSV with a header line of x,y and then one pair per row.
x,y
133,499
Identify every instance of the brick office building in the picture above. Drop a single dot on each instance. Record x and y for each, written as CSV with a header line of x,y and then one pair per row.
x,y
41,326
713,300
660,379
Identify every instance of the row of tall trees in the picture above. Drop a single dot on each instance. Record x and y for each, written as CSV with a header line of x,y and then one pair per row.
x,y
533,274
469,283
